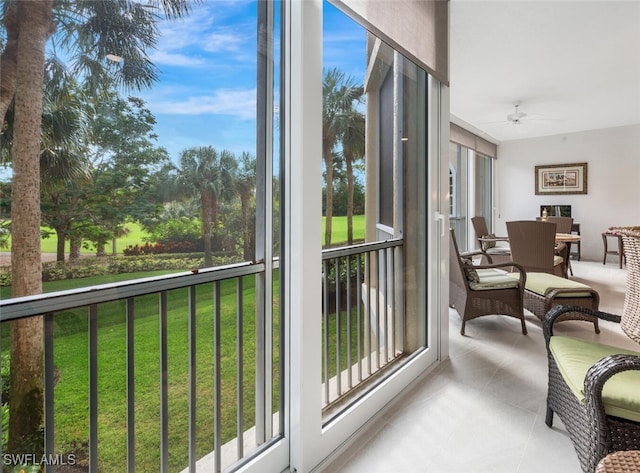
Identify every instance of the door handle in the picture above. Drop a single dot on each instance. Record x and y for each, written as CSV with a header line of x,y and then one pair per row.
x,y
438,217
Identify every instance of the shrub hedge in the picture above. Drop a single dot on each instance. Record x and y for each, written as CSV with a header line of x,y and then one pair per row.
x,y
87,267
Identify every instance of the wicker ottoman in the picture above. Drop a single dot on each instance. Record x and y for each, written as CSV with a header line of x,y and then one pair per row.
x,y
620,462
543,291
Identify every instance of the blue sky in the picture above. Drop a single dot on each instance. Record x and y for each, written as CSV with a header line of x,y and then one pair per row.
x,y
207,61
207,74
206,93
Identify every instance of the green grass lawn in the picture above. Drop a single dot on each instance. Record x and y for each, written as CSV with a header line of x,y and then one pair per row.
x,y
339,229
71,361
137,235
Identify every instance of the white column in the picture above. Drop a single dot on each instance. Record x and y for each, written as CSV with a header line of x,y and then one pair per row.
x,y
303,232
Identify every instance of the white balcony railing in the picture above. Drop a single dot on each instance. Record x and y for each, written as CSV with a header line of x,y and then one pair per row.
x,y
363,330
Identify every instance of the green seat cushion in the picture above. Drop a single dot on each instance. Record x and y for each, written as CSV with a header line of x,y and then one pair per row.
x,y
543,283
620,395
491,278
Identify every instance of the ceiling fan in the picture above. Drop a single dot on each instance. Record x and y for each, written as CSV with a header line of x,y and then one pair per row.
x,y
517,116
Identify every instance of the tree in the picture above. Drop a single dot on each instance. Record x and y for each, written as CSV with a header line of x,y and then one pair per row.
x,y
125,159
338,94
62,207
208,176
63,148
246,187
63,161
89,30
353,147
64,126
26,408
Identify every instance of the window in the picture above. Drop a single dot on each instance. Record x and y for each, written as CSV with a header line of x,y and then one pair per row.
x,y
386,133
472,157
484,188
183,178
375,291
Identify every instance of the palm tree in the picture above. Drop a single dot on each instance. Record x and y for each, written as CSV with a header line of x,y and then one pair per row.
x,y
246,187
26,407
63,151
209,176
64,127
353,147
88,31
338,93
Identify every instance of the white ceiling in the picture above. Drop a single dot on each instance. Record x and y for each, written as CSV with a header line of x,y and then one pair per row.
x,y
572,65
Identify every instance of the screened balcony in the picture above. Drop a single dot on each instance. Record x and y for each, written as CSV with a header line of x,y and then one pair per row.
x,y
185,367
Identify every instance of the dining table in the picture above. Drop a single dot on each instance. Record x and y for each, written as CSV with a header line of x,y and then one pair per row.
x,y
566,238
560,237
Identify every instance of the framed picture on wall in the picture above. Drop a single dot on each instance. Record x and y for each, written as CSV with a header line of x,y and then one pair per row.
x,y
561,179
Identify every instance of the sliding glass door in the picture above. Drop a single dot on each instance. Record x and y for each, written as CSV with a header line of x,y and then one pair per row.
x,y
470,192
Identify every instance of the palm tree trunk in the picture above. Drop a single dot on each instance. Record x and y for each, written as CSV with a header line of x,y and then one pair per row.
x,y
247,252
349,160
328,213
214,224
26,403
207,213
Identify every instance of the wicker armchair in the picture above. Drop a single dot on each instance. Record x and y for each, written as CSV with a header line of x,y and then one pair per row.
x,y
533,246
484,289
492,252
600,414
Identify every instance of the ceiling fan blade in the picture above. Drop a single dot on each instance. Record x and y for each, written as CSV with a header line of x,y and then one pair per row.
x,y
517,116
543,119
499,122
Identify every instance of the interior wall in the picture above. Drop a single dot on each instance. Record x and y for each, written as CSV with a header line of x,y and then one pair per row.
x,y
613,181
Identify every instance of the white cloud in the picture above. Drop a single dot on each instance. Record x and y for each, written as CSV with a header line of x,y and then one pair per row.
x,y
223,42
188,41
240,103
173,59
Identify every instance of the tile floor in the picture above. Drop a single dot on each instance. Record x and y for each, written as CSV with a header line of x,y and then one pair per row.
x,y
483,409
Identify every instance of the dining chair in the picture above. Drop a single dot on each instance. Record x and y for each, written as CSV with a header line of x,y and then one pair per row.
x,y
563,224
533,246
492,251
595,388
